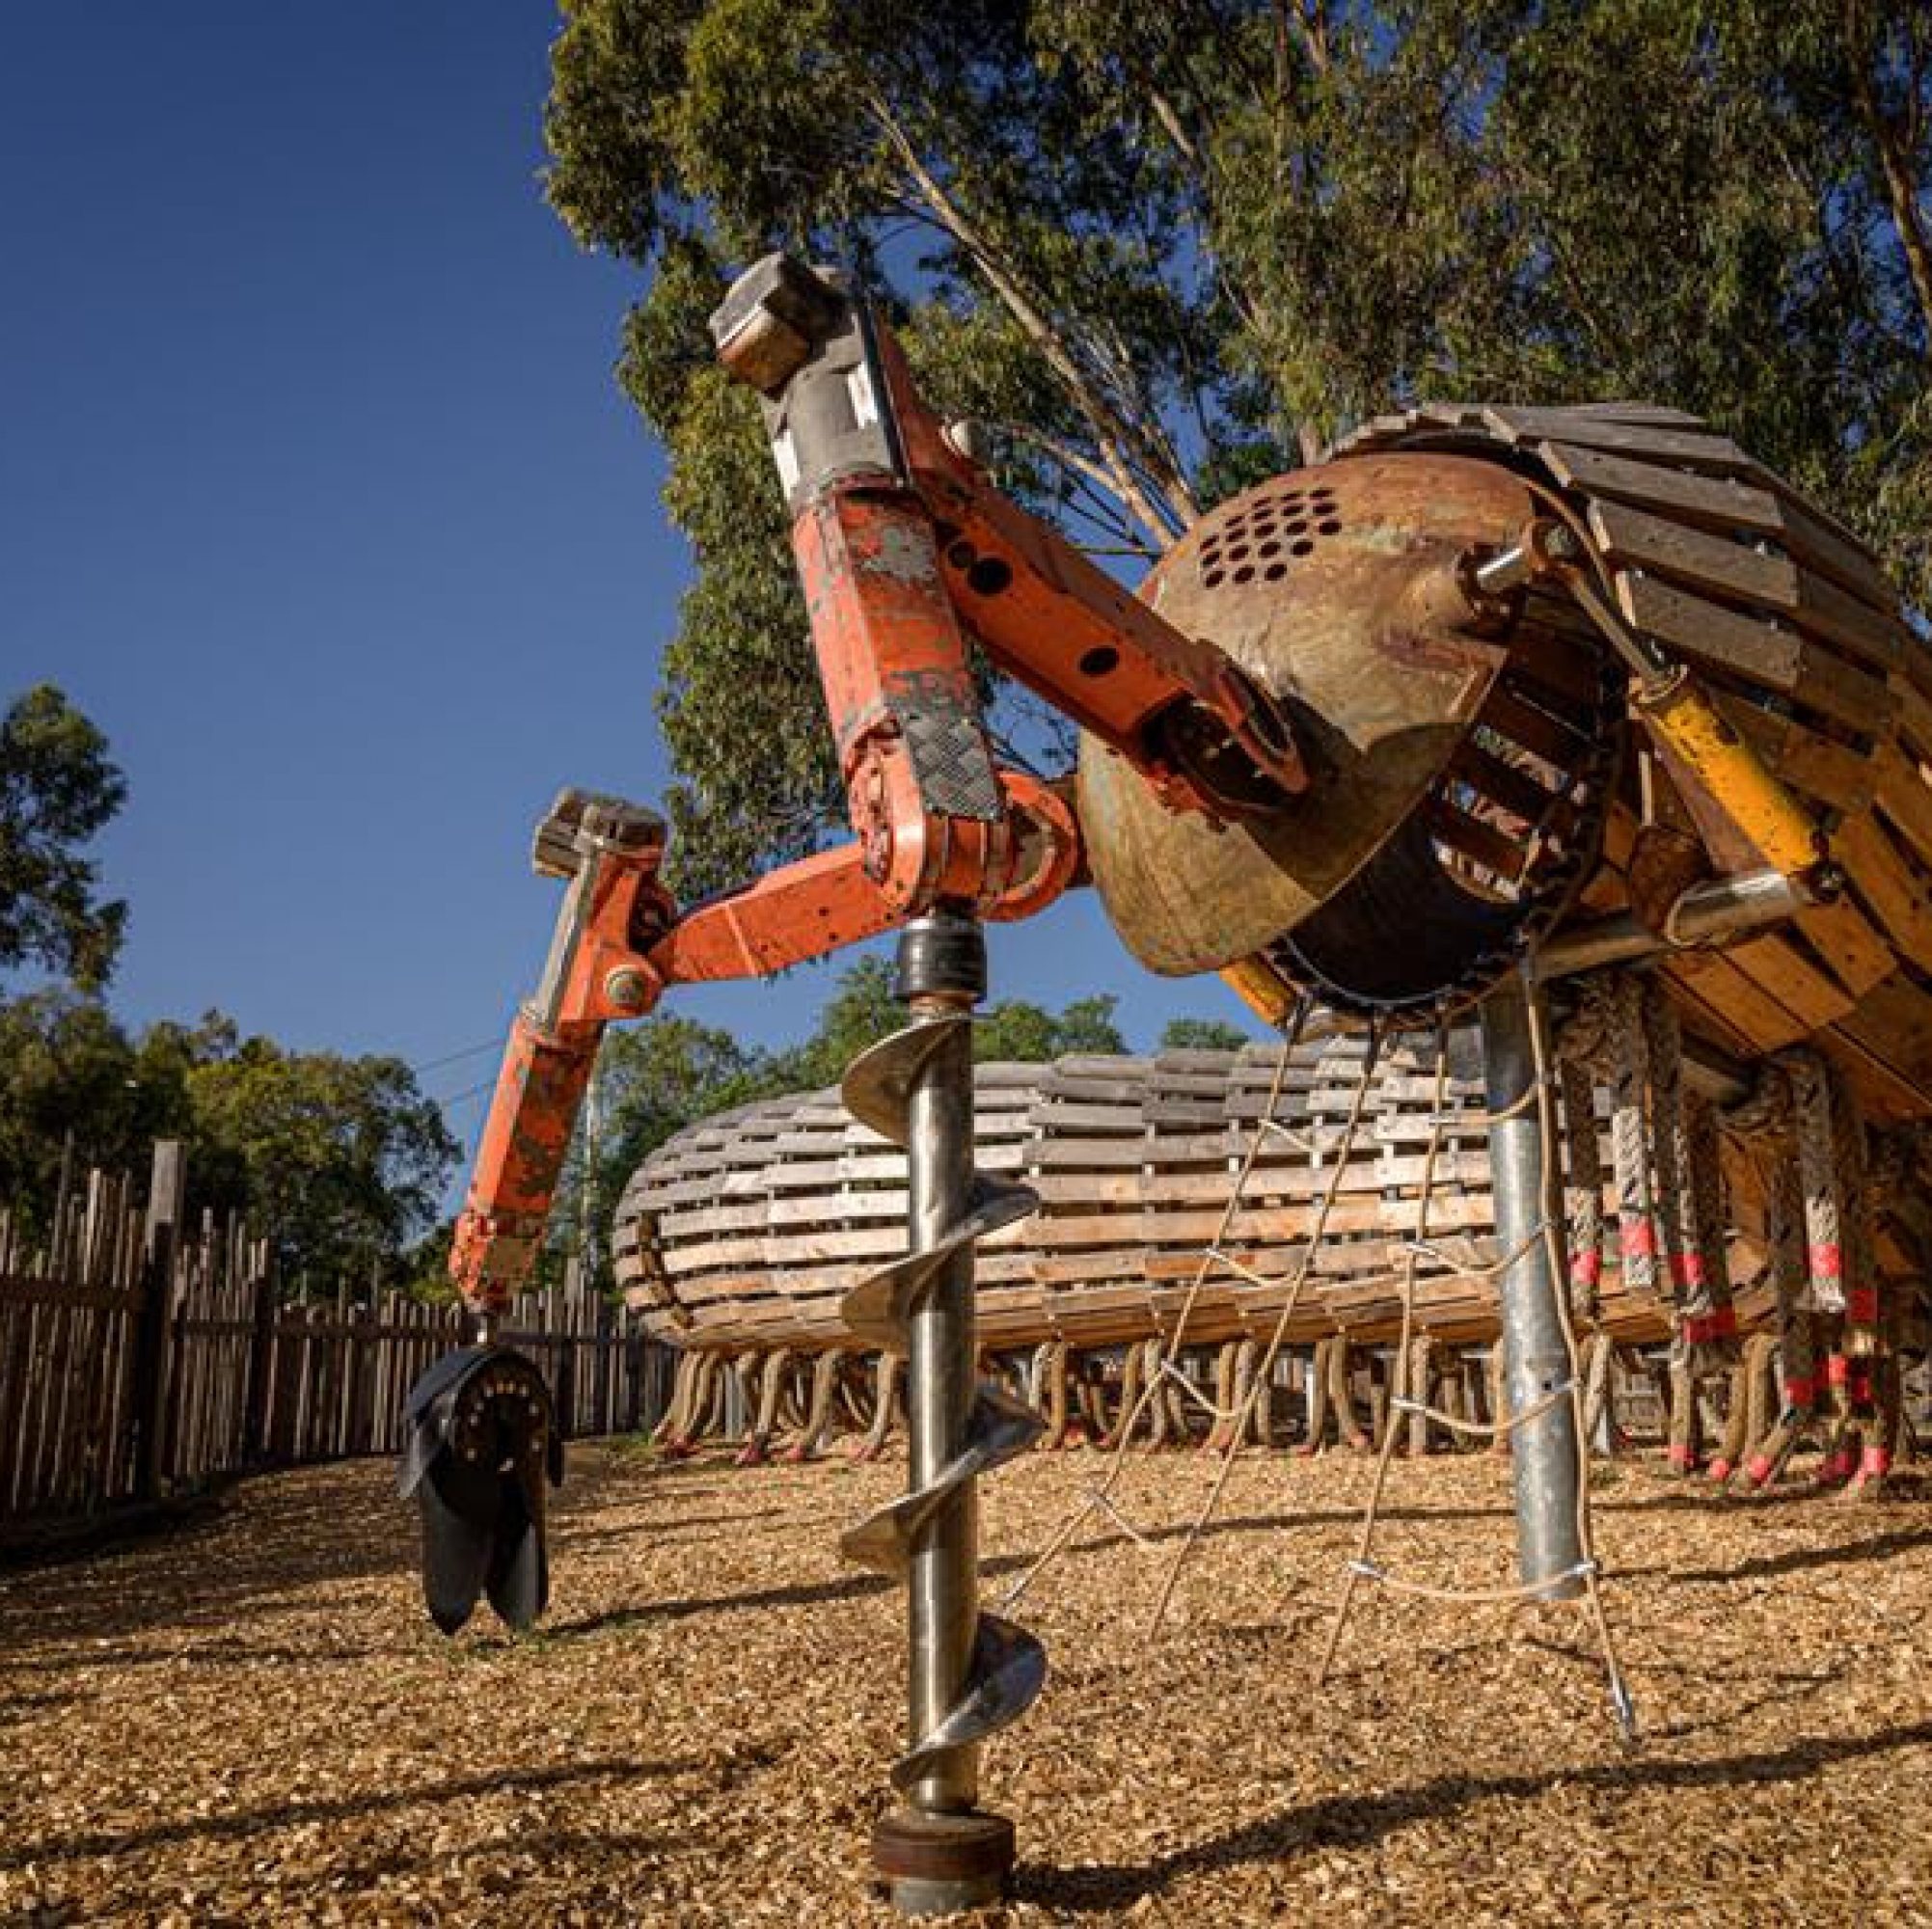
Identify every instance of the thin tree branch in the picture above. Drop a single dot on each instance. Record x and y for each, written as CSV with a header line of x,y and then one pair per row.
x,y
1895,158
1114,437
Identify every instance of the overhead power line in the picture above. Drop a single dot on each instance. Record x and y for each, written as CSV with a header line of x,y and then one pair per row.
x,y
456,1057
468,1091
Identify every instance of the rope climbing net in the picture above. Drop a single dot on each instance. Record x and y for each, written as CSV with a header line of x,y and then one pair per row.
x,y
1231,1422
1362,1565
1207,1223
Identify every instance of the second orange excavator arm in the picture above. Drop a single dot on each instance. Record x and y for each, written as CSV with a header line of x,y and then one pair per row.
x,y
619,945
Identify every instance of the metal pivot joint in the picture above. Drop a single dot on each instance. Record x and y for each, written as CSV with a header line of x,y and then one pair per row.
x,y
970,1672
1536,1356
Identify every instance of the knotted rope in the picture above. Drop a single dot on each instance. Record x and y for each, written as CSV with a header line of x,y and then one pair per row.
x,y
1817,1173
1583,1187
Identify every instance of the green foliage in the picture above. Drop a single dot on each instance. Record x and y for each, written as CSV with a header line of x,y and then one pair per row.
x,y
341,1160
1017,1030
1162,252
58,788
1202,1035
692,136
861,1011
76,1092
655,1078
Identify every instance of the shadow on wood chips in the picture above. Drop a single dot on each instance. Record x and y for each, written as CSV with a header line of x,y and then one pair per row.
x,y
250,1720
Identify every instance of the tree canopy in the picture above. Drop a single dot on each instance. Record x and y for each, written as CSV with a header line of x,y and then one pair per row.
x,y
862,1010
341,1160
1163,250
76,1090
1202,1035
58,788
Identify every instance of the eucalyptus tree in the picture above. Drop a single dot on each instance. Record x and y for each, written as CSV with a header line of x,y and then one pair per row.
x,y
1164,250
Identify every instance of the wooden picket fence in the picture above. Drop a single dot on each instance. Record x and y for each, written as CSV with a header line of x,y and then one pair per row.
x,y
141,1358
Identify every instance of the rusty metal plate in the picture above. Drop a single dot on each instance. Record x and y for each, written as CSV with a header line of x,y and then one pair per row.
x,y
1327,587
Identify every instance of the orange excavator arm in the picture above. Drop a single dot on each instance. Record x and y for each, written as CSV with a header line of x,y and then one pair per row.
x,y
891,519
618,945
907,553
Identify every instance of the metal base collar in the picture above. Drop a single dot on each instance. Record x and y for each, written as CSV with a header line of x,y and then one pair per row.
x,y
936,1863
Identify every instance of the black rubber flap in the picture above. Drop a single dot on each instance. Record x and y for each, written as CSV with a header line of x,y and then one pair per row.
x,y
482,1453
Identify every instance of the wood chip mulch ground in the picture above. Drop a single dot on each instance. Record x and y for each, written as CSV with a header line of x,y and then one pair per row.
x,y
250,1720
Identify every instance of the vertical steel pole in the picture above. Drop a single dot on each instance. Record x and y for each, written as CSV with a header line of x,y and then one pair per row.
x,y
1536,1362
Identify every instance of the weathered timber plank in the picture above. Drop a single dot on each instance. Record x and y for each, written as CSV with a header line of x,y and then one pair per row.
x,y
1894,1023
1775,658
1778,968
1882,878
1817,767
1715,502
1850,945
1721,986
1679,445
1904,796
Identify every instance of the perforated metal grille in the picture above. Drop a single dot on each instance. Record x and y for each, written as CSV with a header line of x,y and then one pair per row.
x,y
1273,529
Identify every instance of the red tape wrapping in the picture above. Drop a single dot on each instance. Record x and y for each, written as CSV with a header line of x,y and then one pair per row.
x,y
1688,1270
1636,1237
1719,1325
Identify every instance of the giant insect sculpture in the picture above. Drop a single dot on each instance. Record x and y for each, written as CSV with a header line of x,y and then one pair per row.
x,y
1363,738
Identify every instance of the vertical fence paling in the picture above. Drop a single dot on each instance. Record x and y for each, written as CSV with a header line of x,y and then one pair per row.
x,y
141,1356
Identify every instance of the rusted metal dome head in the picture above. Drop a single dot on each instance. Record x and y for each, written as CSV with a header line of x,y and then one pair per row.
x,y
1458,774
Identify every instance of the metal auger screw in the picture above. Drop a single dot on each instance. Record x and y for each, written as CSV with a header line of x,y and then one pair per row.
x,y
970,1672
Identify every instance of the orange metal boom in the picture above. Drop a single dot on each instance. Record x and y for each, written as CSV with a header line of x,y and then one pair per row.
x,y
619,943
875,486
905,551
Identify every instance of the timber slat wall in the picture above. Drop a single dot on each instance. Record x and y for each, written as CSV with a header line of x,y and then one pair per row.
x,y
123,1378
746,1231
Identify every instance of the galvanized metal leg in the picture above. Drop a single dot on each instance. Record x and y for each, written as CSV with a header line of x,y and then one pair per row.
x,y
1536,1362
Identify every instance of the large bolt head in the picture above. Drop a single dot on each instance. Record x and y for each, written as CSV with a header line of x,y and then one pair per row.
x,y
628,988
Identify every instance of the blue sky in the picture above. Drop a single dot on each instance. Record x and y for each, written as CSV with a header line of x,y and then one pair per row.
x,y
317,493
